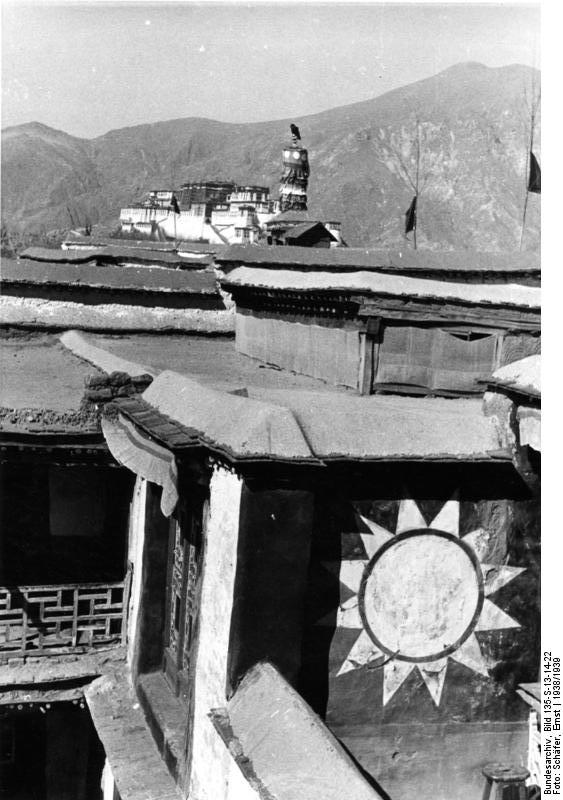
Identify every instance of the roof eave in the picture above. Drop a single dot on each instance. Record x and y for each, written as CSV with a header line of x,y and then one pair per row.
x,y
132,407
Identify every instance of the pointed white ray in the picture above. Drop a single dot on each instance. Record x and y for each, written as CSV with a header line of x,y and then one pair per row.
x,y
434,675
497,575
363,651
394,675
478,540
492,618
351,574
409,517
378,536
447,519
347,615
348,572
469,654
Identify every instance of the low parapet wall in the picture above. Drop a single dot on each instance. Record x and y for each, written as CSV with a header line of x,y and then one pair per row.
x,y
93,284
31,312
282,747
89,297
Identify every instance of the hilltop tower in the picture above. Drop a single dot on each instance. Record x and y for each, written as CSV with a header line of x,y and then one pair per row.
x,y
293,182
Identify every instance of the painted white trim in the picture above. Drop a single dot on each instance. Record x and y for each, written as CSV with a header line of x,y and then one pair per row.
x,y
137,523
213,768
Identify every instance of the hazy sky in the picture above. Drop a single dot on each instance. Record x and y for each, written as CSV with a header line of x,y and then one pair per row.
x,y
88,67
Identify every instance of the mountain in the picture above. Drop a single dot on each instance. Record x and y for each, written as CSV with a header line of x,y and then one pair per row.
x,y
472,121
45,173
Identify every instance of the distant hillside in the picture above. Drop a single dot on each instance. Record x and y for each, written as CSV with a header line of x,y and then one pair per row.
x,y
473,121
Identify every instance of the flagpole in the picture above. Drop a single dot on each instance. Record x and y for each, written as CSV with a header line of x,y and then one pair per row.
x,y
417,168
526,177
527,173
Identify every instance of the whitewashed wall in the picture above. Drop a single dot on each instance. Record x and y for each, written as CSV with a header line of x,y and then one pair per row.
x,y
41,313
215,775
136,544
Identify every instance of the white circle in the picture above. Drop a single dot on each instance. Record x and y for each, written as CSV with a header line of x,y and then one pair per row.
x,y
421,596
296,155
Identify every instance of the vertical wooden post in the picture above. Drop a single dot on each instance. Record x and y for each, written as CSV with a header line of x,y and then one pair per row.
x,y
24,625
74,617
125,601
365,373
499,343
369,349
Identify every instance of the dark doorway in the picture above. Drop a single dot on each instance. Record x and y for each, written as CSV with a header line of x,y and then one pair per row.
x,y
50,752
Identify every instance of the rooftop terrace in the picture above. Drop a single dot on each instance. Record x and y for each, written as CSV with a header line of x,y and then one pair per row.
x,y
42,384
374,283
112,278
142,244
117,254
208,394
440,263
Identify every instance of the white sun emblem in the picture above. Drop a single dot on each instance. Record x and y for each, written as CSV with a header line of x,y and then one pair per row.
x,y
419,597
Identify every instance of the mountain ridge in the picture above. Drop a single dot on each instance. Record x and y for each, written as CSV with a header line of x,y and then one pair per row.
x,y
462,67
465,111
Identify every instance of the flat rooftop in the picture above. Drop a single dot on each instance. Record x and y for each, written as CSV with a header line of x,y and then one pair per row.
x,y
374,284
102,241
143,244
212,361
206,394
47,273
117,255
405,261
214,396
42,384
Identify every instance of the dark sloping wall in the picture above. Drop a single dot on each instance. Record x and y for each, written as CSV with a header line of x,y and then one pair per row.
x,y
270,582
150,628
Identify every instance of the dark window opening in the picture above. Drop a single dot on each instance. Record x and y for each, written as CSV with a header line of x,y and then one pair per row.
x,y
177,603
63,524
469,336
